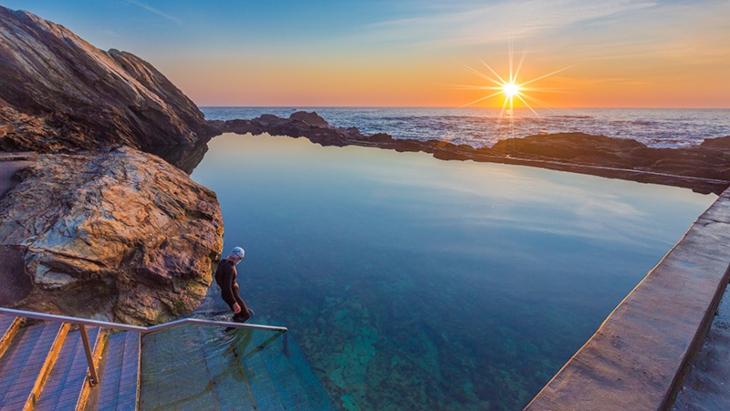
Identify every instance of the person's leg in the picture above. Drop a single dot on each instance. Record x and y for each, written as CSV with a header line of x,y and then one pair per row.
x,y
244,314
226,297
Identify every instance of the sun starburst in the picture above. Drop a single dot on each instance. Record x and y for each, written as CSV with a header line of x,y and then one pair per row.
x,y
509,86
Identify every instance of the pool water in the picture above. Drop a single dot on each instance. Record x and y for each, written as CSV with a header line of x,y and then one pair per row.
x,y
412,283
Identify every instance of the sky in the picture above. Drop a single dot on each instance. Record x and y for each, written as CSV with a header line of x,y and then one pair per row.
x,y
608,53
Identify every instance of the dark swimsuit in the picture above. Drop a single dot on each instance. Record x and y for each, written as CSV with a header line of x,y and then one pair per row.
x,y
225,277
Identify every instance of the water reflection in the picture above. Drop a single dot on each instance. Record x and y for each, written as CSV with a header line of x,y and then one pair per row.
x,y
183,156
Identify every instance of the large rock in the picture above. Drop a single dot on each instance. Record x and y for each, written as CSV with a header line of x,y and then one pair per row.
x,y
120,234
313,119
710,160
574,147
298,125
718,143
58,92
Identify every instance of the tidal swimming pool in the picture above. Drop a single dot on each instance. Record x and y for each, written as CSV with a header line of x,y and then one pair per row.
x,y
412,283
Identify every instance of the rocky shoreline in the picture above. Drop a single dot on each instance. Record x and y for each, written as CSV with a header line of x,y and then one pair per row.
x,y
705,169
99,224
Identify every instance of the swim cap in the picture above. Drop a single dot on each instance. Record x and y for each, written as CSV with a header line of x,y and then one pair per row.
x,y
238,252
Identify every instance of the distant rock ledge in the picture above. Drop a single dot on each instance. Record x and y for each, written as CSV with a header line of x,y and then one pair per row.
x,y
705,169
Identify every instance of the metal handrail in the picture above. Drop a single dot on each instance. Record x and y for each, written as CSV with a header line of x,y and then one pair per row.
x,y
137,328
83,322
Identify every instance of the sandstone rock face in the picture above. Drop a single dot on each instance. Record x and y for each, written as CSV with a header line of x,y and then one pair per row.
x,y
119,234
60,93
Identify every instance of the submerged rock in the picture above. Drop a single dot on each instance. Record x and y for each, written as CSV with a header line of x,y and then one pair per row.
x,y
60,93
119,234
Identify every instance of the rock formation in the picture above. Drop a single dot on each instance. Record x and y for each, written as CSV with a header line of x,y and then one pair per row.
x,y
705,168
60,93
103,230
709,160
121,234
313,119
294,126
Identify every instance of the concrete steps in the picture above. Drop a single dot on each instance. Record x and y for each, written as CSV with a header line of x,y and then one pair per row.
x,y
44,367
234,370
9,326
227,376
26,364
262,384
67,386
120,380
174,358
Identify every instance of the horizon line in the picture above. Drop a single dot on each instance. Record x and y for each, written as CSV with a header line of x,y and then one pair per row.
x,y
293,106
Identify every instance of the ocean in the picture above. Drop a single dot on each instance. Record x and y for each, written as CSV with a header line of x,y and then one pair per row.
x,y
483,127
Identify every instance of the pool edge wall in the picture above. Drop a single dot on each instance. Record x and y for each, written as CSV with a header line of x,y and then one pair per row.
x,y
638,358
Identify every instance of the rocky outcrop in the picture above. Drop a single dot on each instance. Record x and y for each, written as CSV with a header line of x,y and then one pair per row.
x,y
573,147
313,119
60,93
119,234
294,126
709,160
719,143
705,168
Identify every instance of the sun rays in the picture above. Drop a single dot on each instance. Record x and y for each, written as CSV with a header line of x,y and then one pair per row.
x,y
509,86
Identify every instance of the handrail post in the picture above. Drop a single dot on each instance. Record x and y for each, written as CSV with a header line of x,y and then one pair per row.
x,y
93,376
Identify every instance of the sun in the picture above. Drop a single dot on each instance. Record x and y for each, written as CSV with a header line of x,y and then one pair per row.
x,y
511,89
508,86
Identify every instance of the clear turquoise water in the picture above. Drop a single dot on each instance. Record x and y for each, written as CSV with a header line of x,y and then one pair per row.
x,y
412,283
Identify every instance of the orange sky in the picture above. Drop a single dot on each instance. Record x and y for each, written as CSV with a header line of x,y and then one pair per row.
x,y
622,53
679,80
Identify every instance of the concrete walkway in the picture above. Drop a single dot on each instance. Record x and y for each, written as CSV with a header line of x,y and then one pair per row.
x,y
639,356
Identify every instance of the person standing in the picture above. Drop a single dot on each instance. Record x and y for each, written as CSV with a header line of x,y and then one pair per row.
x,y
225,277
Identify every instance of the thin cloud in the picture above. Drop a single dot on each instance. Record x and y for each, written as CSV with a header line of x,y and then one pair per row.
x,y
495,23
111,33
154,10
